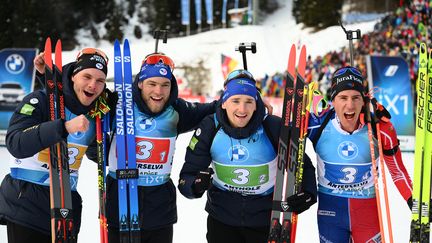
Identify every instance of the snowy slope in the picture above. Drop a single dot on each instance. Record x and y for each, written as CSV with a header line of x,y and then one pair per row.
x,y
273,38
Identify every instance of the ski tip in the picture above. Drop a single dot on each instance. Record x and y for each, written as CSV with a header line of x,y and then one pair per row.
x,y
48,53
58,56
423,48
126,43
303,52
302,61
292,61
116,42
47,44
48,40
58,46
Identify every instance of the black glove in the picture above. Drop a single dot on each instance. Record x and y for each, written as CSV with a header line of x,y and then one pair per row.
x,y
300,202
409,202
202,181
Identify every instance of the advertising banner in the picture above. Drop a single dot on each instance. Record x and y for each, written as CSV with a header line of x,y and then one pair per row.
x,y
16,81
390,75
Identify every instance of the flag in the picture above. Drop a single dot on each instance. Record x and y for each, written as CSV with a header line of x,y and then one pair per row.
x,y
228,65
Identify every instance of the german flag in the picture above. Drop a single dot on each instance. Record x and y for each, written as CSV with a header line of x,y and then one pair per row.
x,y
228,65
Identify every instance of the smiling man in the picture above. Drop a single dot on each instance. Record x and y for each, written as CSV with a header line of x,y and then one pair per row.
x,y
240,144
25,192
347,208
160,116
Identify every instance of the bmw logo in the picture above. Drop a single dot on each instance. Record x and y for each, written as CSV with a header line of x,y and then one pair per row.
x,y
348,150
145,124
239,153
77,135
15,63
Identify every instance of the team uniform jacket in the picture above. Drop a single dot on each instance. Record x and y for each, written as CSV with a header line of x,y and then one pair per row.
x,y
24,193
244,161
347,207
155,136
344,162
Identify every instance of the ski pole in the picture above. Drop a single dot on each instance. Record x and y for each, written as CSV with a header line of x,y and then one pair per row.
x,y
243,48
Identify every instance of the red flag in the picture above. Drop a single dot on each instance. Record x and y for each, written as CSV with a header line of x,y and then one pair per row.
x,y
228,65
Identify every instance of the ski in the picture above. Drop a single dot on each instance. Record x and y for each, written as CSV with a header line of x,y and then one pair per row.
x,y
126,173
62,228
291,184
278,204
288,149
420,226
303,118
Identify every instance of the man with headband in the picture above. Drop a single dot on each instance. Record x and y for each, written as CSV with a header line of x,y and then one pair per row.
x,y
25,192
347,208
240,144
160,116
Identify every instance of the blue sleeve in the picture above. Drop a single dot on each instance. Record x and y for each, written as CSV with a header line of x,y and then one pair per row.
x,y
191,114
198,157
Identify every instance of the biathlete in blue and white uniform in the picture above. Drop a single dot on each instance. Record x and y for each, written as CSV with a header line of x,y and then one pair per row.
x,y
239,142
160,116
347,206
25,192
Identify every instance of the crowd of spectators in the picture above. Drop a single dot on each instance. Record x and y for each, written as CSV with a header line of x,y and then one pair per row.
x,y
397,34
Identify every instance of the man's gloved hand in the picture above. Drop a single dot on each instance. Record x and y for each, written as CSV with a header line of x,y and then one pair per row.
x,y
202,181
300,202
410,203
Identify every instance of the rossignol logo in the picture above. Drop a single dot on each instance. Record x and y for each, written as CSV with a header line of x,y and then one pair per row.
x,y
348,78
64,212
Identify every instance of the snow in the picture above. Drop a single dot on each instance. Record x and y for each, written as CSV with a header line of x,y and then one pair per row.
x,y
274,38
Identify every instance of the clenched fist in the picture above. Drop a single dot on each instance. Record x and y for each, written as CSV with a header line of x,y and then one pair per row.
x,y
77,124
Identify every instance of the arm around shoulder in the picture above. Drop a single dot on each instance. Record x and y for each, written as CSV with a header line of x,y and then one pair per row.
x,y
197,159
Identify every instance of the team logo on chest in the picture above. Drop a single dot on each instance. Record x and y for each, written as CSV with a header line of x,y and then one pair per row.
x,y
239,153
146,124
77,135
348,150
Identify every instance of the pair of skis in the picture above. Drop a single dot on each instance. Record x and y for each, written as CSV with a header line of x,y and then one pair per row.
x,y
420,224
127,172
62,226
291,149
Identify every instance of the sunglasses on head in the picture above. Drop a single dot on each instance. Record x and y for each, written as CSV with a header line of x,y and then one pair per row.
x,y
92,51
238,74
156,58
345,69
